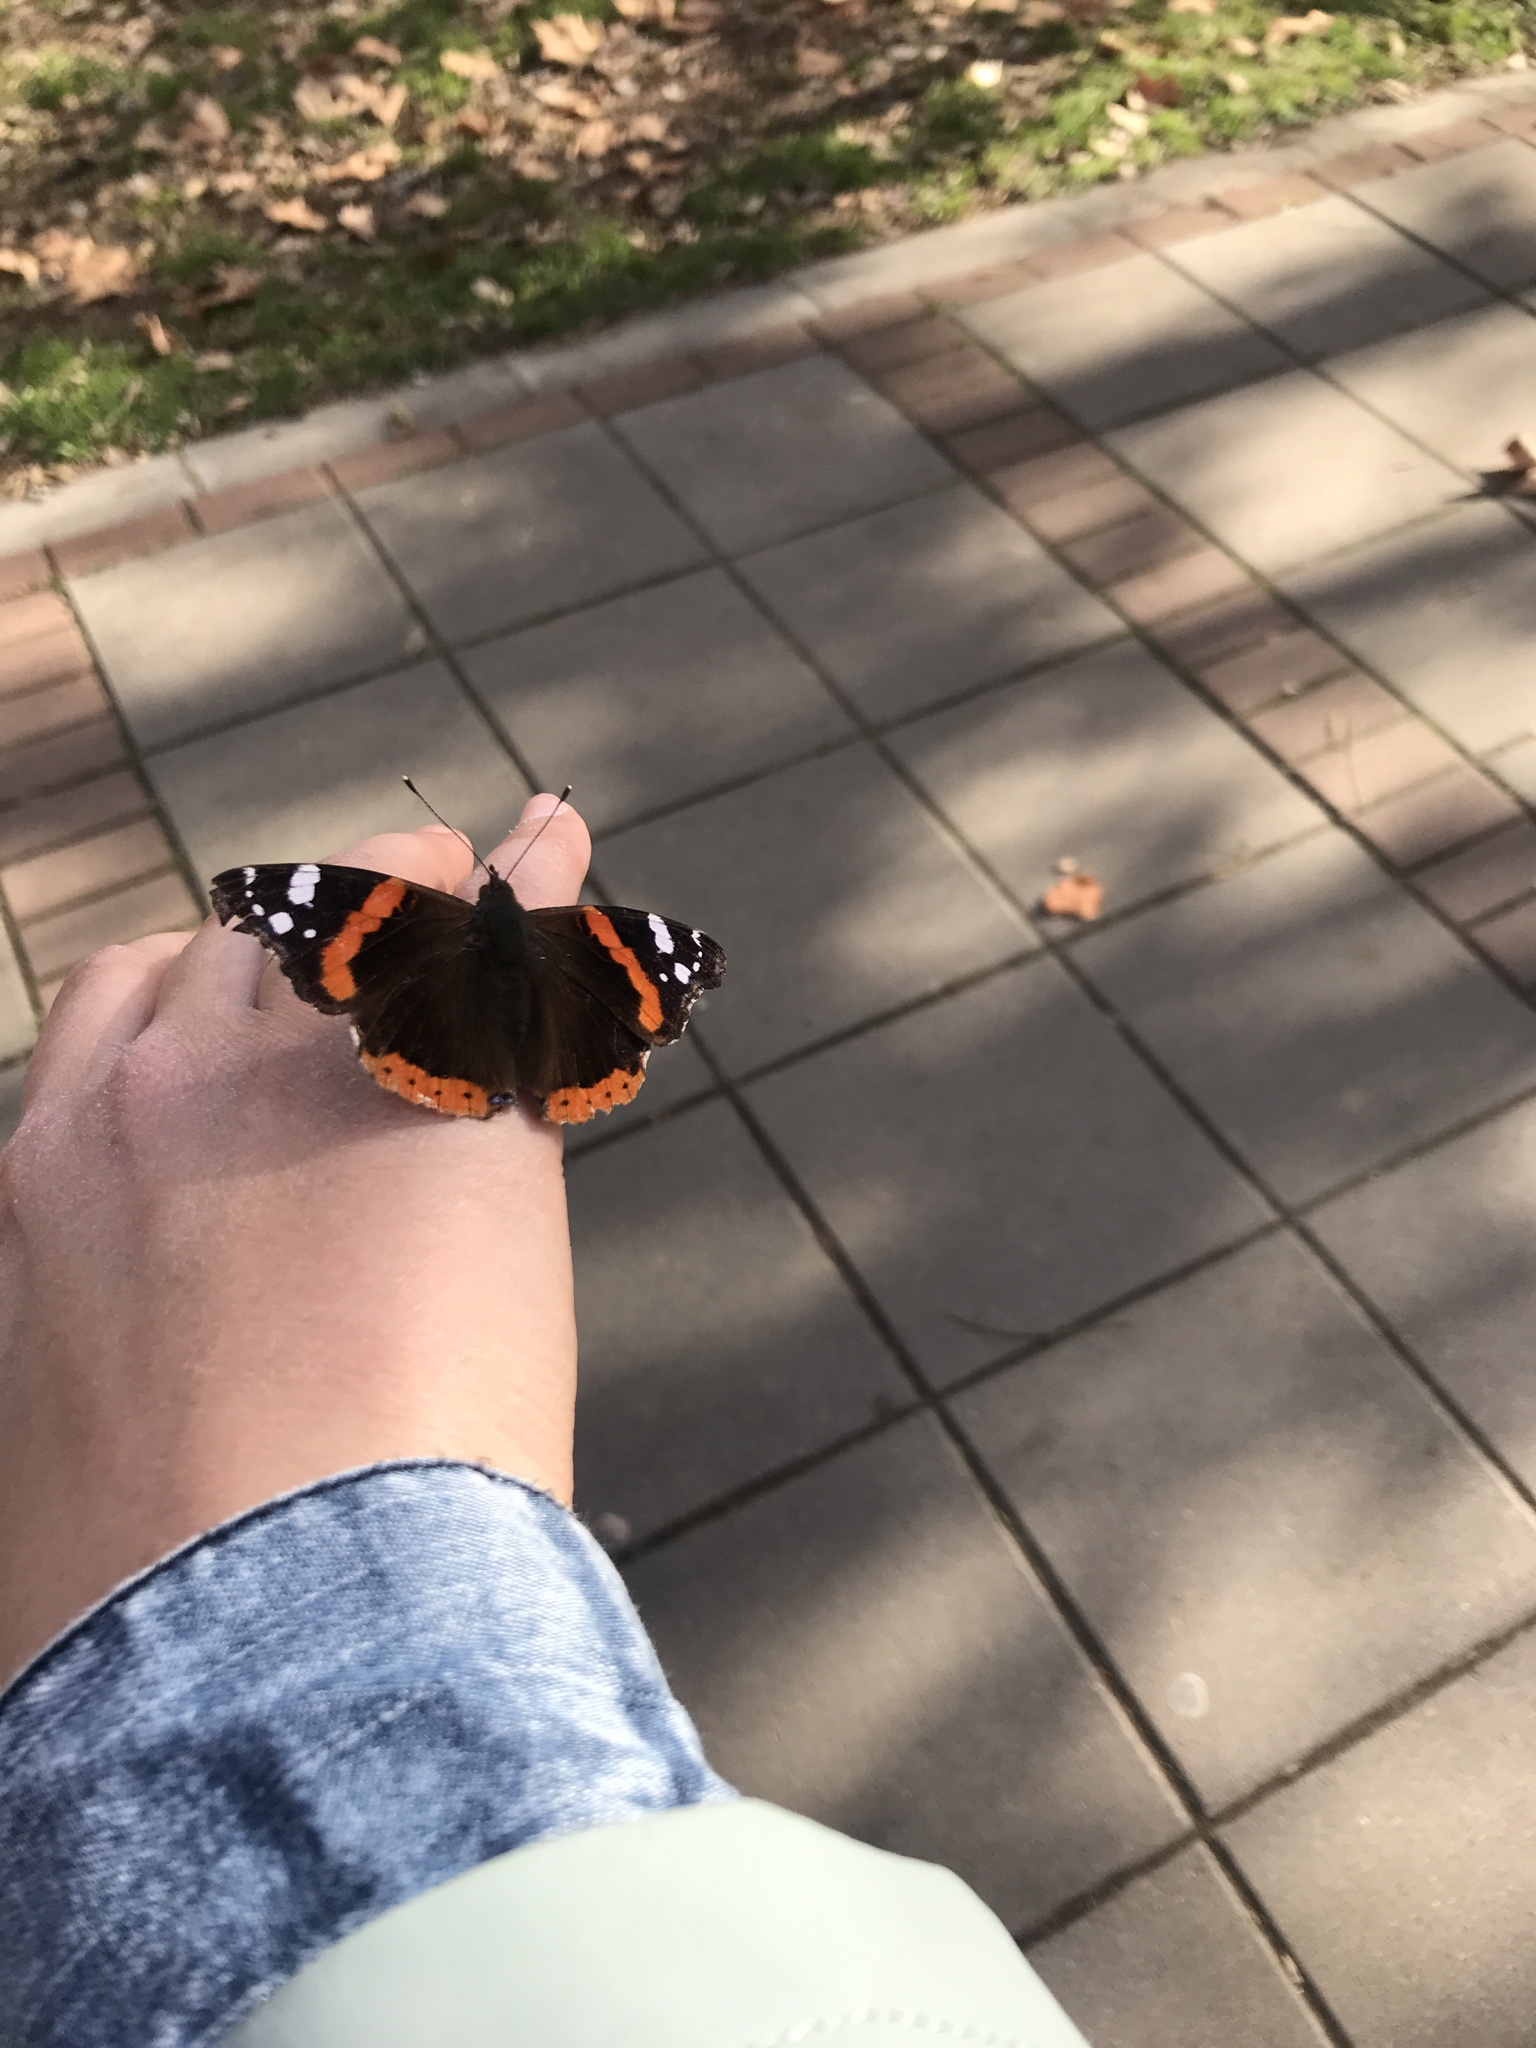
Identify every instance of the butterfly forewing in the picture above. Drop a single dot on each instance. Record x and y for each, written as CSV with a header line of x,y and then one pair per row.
x,y
642,968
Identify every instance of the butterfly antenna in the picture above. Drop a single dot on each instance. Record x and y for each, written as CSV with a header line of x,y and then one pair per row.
x,y
533,842
415,792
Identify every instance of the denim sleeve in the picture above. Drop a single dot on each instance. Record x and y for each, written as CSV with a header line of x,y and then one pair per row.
x,y
301,1719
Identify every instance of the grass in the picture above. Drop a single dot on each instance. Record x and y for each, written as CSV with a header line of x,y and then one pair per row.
x,y
534,198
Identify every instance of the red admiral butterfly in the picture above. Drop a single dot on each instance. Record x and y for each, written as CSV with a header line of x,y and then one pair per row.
x,y
459,1005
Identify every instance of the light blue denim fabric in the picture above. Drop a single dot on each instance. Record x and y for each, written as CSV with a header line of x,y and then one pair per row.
x,y
309,1715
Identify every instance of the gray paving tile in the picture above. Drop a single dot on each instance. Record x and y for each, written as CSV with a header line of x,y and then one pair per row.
x,y
1287,470
1325,277
104,499
654,696
865,1646
226,627
1267,1522
759,458
1174,1961
12,1081
309,780
536,528
328,431
1441,1246
1462,386
717,1339
1132,338
1476,208
1319,1016
1516,765
17,1030
1445,611
1000,1164
833,893
1401,1873
1108,759
919,601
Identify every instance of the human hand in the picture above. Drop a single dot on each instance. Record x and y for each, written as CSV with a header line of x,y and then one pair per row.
x,y
231,1265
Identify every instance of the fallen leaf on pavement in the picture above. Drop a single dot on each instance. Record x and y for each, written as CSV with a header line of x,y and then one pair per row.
x,y
813,60
225,57
372,46
366,166
427,205
296,213
156,333
1521,460
1079,895
568,39
17,263
358,222
207,124
475,65
1285,27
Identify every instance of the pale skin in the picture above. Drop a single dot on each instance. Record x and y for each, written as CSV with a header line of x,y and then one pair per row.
x,y
230,1265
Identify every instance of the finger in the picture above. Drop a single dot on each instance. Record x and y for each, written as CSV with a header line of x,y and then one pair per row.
x,y
545,854
219,969
103,1006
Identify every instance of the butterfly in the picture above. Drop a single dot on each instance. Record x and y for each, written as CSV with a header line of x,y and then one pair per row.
x,y
459,1006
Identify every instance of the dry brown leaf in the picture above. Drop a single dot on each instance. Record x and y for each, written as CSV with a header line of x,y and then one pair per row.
x,y
1076,895
207,125
529,164
228,183
427,205
365,166
213,359
813,60
639,161
358,222
698,17
563,98
1242,46
472,121
193,188
381,52
17,263
90,270
231,285
659,11
315,101
493,293
157,334
1285,27
225,57
475,65
1159,92
1521,460
648,128
1236,84
596,138
296,213
387,104
1191,6
568,39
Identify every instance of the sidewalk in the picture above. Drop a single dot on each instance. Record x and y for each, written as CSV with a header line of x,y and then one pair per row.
x,y
1061,1392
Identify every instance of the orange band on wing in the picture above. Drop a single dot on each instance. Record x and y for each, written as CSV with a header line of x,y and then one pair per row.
x,y
602,930
415,1084
336,976
580,1105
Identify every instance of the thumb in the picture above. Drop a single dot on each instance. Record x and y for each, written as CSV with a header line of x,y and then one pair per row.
x,y
549,847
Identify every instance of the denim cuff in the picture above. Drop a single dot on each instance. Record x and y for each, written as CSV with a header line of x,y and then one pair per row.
x,y
305,1717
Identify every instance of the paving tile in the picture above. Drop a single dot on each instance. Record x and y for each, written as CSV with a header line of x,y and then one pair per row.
x,y
1433,817
530,529
1152,536
522,419
654,697
1483,877
39,642
302,601
1445,611
1123,341
1079,253
1326,277
1084,509
1245,619
1014,440
40,712
1510,938
1192,579
644,384
1341,711
767,456
1516,765
1265,1520
309,780
65,814
1287,470
59,941
913,341
1057,473
863,1645
218,511
1283,664
1271,195
22,572
17,1029
63,757
1174,1961
762,351
985,1164
49,881
832,891
1179,224
869,316
992,281
955,392
1433,145
1359,166
1462,386
922,600
1476,208
131,539
105,499
717,1339
1320,1017
1400,1873
397,458
458,395
1368,767
1108,759
12,1081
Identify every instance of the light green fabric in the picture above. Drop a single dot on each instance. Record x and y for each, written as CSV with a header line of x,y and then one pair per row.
x,y
728,1926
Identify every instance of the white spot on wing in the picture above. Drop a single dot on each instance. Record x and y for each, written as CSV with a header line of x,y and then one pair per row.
x,y
660,933
257,911
250,874
301,884
683,973
279,921
309,935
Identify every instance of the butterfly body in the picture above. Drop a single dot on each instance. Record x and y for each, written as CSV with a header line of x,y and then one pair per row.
x,y
460,1006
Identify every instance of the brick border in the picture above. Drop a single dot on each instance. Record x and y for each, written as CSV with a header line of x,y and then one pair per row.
x,y
85,859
